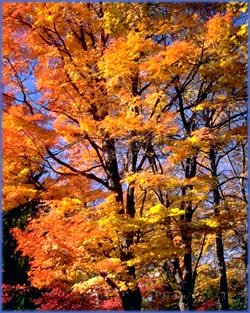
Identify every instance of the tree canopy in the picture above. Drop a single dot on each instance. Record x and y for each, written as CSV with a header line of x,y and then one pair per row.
x,y
127,122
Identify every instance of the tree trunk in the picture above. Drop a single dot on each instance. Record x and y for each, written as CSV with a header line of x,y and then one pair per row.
x,y
185,302
186,298
219,240
186,290
184,283
111,167
181,267
222,271
131,299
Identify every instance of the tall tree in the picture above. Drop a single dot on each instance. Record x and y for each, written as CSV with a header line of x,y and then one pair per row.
x,y
121,107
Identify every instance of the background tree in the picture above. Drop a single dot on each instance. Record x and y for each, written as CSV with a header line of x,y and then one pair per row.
x,y
17,292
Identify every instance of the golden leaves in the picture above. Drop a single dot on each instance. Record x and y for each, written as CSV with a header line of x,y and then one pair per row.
x,y
108,74
176,59
23,144
88,284
226,60
121,60
218,27
15,195
110,265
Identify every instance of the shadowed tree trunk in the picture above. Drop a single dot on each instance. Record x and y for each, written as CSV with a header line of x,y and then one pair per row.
x,y
131,298
219,240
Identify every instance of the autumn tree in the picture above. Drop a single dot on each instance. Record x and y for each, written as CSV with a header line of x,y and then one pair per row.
x,y
126,114
199,96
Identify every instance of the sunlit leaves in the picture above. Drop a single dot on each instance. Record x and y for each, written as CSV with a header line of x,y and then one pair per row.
x,y
115,136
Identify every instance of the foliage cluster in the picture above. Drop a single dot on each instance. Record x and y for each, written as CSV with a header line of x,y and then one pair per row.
x,y
124,154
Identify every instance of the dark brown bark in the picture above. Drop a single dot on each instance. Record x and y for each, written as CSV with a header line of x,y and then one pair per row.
x,y
131,299
185,277
111,166
183,281
130,205
181,268
132,160
219,239
187,283
186,290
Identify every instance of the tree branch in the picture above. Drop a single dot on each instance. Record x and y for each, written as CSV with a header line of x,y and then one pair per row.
x,y
90,176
